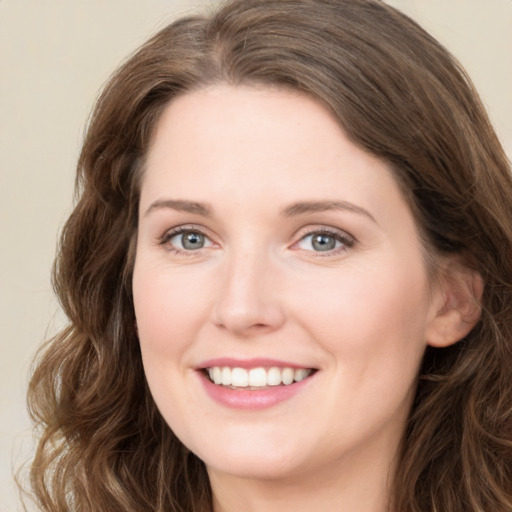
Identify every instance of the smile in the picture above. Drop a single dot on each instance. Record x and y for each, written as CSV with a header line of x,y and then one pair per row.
x,y
256,378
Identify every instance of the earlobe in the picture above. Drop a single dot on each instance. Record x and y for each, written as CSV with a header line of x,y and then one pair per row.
x,y
458,306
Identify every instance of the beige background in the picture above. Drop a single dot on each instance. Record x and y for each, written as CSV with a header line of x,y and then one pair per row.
x,y
54,56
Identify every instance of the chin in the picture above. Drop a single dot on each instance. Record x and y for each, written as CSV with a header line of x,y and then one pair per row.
x,y
255,460
248,468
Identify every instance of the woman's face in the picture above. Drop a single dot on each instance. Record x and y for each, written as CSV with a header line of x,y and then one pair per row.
x,y
280,260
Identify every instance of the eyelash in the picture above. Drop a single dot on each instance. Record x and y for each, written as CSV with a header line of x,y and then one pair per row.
x,y
346,240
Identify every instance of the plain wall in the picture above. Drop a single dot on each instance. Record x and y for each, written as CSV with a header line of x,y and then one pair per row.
x,y
54,57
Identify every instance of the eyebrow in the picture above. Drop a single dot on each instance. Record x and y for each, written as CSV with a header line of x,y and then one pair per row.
x,y
181,206
292,210
323,206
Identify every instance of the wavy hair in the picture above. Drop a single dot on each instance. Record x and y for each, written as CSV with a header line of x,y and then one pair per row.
x,y
399,95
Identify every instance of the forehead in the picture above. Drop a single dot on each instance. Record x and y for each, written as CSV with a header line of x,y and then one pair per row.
x,y
255,136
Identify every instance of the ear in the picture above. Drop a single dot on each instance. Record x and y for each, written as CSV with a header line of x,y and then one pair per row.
x,y
456,305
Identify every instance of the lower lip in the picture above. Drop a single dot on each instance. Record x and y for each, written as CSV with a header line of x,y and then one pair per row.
x,y
251,399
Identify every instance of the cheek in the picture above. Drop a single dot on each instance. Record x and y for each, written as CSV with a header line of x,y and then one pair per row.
x,y
170,308
371,324
368,314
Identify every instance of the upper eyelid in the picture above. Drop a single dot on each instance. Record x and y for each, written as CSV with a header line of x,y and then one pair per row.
x,y
311,230
299,235
169,233
186,227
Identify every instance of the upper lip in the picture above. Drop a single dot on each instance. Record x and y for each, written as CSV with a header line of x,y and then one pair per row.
x,y
249,363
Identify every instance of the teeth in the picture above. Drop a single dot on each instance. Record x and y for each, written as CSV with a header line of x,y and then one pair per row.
x,y
274,377
239,377
226,377
287,376
301,374
217,375
256,377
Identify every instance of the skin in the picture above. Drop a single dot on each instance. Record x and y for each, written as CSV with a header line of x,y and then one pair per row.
x,y
361,314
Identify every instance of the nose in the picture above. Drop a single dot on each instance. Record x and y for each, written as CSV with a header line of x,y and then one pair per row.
x,y
248,299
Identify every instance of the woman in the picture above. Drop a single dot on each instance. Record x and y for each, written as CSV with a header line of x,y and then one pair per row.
x,y
288,276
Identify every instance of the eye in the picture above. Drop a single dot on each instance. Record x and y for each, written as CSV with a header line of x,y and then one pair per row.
x,y
186,239
324,241
189,241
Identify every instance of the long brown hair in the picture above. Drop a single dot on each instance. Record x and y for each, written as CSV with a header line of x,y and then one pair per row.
x,y
399,95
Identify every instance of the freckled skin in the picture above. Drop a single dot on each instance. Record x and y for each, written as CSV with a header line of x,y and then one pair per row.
x,y
259,287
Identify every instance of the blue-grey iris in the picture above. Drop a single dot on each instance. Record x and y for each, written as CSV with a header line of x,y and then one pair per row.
x,y
191,240
323,242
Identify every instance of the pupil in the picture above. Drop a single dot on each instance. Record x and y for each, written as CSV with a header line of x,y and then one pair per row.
x,y
193,241
323,242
